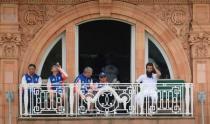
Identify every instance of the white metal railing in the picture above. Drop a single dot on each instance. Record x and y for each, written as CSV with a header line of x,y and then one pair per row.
x,y
107,100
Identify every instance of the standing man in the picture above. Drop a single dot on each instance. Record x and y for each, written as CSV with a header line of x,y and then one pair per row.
x,y
29,81
148,86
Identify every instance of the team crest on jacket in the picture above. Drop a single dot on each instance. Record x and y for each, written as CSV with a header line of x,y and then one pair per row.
x,y
29,79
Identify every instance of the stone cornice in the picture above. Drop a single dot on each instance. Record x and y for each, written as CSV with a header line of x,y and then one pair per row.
x,y
74,2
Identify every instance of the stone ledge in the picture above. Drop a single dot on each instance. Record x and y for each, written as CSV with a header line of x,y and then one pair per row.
x,y
111,118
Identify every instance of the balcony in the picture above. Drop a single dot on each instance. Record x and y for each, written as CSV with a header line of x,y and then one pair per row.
x,y
110,100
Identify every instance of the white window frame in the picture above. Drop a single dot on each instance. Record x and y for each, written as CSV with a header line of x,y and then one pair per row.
x,y
76,51
149,36
50,47
133,54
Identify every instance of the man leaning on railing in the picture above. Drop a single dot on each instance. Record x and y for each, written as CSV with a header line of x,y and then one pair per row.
x,y
148,87
84,86
29,81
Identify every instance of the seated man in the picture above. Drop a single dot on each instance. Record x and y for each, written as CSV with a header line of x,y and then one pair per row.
x,y
56,81
148,87
29,81
103,80
85,81
84,85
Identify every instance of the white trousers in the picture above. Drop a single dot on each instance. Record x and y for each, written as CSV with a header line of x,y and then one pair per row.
x,y
149,93
25,100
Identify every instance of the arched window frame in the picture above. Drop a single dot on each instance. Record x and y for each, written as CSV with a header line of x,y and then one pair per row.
x,y
133,41
162,51
50,47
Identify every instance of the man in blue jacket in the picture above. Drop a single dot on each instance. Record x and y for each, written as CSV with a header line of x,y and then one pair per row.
x,y
30,80
84,87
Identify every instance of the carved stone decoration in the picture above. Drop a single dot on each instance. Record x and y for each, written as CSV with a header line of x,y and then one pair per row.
x,y
33,17
10,45
200,45
176,17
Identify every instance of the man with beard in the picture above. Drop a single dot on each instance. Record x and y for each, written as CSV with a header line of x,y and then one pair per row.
x,y
148,86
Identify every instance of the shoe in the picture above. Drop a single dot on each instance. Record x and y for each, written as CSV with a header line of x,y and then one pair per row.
x,y
141,113
25,114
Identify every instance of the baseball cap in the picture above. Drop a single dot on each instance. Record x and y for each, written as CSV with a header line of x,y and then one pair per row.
x,y
102,74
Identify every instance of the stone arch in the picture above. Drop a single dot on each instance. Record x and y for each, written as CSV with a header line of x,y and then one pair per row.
x,y
120,11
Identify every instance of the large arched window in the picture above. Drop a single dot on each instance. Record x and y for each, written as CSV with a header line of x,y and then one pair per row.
x,y
155,54
54,53
107,45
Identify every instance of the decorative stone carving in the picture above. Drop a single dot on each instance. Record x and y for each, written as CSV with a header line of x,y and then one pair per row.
x,y
200,45
10,45
33,17
176,17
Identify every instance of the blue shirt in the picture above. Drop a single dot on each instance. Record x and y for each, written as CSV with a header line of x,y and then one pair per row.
x,y
85,83
56,82
32,79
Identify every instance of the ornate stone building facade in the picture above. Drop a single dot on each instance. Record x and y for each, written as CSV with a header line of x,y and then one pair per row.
x,y
28,27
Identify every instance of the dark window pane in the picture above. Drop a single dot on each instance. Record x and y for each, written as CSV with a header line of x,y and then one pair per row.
x,y
105,42
54,56
156,57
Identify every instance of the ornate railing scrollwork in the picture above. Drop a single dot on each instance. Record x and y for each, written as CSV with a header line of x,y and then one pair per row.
x,y
108,99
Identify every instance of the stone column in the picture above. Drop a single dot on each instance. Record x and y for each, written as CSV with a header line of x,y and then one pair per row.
x,y
140,49
70,51
199,41
10,43
200,49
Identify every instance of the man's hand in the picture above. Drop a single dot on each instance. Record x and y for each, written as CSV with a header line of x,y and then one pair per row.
x,y
58,65
157,71
82,96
